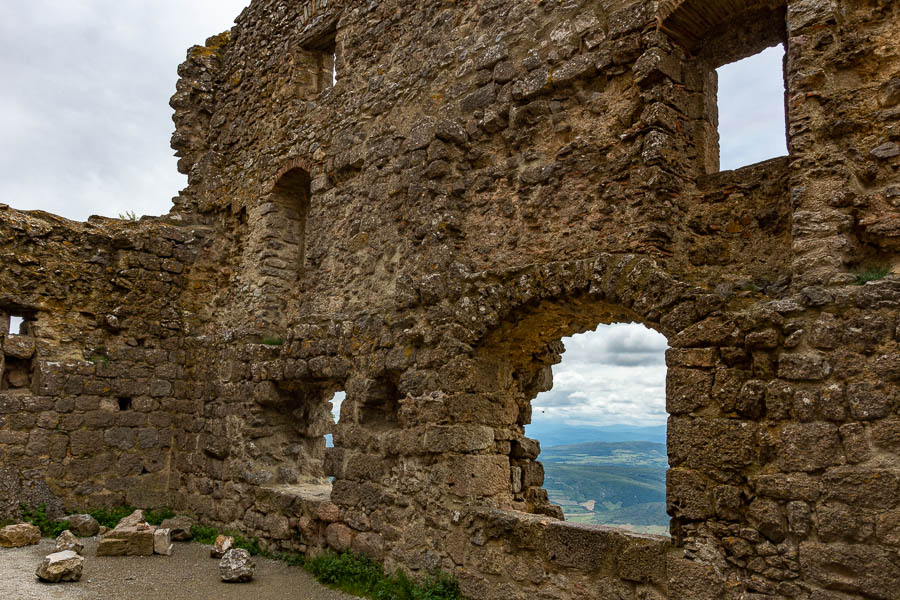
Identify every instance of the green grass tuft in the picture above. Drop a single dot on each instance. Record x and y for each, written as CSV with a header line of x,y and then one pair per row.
x,y
872,273
156,517
110,517
204,534
364,577
38,517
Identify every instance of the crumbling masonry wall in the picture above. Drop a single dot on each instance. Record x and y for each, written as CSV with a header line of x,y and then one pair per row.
x,y
485,178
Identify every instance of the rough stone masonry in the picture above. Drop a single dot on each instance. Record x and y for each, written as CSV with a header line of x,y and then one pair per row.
x,y
483,178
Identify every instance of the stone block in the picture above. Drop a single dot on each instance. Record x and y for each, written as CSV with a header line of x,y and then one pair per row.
x,y
687,390
693,579
458,438
162,542
17,536
644,560
67,541
126,541
809,446
236,566
687,494
221,546
370,544
587,548
864,487
478,475
339,537
860,569
803,367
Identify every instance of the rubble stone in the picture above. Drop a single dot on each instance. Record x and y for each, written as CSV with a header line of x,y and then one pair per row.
x,y
236,566
17,536
67,541
83,525
61,566
223,544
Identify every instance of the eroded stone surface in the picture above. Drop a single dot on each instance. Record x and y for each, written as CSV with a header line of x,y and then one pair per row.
x,y
236,566
61,566
22,534
67,541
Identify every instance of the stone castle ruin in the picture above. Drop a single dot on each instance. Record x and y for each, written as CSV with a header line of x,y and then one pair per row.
x,y
484,178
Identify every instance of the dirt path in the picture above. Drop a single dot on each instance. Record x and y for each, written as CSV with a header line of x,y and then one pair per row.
x,y
189,574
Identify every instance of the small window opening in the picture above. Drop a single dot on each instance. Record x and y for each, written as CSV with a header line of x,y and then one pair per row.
x,y
751,103
336,403
124,404
602,429
325,57
16,325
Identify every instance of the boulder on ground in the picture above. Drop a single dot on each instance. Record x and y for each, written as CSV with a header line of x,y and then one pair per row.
x,y
17,536
61,566
83,525
162,542
68,541
127,541
223,544
179,528
236,566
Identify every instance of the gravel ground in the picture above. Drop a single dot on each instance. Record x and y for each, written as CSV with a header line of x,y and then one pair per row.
x,y
189,574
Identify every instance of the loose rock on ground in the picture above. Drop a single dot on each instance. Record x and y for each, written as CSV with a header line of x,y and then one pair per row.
x,y
61,566
16,536
236,566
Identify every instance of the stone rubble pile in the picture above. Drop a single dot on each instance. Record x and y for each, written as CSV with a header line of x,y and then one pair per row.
x,y
133,536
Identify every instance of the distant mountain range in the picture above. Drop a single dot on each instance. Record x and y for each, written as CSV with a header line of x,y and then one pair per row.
x,y
558,434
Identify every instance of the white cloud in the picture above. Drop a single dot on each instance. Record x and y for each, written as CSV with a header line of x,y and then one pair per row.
x,y
614,375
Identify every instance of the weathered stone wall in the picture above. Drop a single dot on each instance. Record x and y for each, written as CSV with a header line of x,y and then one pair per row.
x,y
483,179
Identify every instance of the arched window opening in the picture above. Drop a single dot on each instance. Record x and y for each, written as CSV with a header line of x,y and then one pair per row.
x,y
284,224
602,429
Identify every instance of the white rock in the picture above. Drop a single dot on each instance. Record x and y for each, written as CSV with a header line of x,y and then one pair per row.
x,y
236,566
61,566
162,542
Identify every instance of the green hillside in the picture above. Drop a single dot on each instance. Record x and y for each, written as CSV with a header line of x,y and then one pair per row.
x,y
621,484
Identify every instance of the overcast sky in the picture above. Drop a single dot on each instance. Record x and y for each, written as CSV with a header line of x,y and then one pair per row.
x,y
614,375
84,102
85,127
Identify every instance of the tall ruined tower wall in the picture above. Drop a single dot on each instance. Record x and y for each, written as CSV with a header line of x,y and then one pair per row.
x,y
483,179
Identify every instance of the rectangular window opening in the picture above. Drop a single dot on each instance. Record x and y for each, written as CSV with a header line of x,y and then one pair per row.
x,y
751,109
324,49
